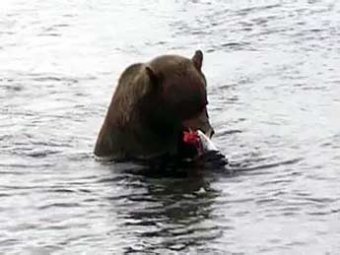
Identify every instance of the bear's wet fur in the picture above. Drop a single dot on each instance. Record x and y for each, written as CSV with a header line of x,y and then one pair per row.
x,y
151,106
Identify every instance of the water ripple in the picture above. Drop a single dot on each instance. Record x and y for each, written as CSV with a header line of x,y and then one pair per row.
x,y
273,85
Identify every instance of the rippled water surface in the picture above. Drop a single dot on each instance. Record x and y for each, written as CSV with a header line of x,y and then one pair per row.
x,y
274,89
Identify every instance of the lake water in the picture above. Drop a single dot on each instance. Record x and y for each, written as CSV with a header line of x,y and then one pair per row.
x,y
274,92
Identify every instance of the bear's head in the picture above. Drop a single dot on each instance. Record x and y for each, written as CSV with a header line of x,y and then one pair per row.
x,y
179,92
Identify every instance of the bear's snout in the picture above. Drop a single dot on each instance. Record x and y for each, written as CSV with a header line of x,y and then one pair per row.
x,y
201,122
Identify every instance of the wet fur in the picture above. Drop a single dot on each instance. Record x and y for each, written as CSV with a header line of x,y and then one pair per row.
x,y
151,101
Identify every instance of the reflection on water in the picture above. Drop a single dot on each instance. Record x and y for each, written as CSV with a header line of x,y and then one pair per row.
x,y
171,213
273,85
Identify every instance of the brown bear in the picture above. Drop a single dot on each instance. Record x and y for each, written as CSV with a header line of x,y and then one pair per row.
x,y
153,104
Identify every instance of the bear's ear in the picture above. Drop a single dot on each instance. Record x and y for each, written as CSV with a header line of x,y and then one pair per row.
x,y
197,59
152,75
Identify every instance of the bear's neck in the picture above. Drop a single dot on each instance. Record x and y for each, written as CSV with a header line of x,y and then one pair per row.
x,y
138,138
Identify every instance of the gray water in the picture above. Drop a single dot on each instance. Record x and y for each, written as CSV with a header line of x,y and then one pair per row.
x,y
274,92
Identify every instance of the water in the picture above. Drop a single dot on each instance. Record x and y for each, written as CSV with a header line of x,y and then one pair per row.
x,y
274,86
